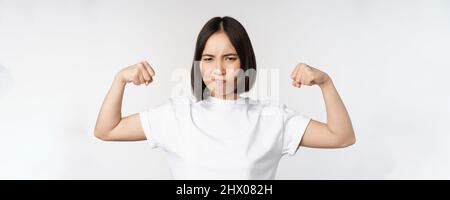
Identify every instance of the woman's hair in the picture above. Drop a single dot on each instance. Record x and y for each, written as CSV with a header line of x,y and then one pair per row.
x,y
241,42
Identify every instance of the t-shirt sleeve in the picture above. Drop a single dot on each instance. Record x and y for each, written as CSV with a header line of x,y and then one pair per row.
x,y
154,122
294,127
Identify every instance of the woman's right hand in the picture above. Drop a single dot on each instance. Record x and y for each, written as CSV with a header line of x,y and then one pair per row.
x,y
140,73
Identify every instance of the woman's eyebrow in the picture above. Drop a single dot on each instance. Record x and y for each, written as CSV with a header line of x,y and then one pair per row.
x,y
229,54
206,54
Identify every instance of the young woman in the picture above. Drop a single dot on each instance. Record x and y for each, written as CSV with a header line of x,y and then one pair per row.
x,y
220,134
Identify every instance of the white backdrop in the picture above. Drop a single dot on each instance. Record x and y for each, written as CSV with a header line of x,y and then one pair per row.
x,y
388,59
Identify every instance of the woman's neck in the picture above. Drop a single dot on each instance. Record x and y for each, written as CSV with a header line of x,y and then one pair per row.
x,y
232,96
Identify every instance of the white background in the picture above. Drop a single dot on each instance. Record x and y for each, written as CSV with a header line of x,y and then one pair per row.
x,y
388,59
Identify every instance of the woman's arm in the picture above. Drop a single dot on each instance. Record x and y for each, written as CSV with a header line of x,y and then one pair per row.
x,y
110,125
338,131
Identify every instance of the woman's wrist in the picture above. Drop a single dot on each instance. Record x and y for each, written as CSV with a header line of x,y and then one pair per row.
x,y
326,83
119,79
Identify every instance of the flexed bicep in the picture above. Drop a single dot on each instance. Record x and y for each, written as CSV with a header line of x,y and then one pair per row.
x,y
110,125
318,135
128,129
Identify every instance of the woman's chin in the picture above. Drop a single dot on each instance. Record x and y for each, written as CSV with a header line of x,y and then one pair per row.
x,y
222,93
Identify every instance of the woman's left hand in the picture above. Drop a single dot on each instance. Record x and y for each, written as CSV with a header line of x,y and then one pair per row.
x,y
304,74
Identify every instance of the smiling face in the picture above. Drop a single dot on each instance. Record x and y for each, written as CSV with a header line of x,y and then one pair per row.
x,y
220,65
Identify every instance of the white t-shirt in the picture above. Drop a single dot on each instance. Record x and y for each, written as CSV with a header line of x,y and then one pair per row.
x,y
223,139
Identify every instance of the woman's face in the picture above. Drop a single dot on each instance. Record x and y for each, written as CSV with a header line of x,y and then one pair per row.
x,y
220,65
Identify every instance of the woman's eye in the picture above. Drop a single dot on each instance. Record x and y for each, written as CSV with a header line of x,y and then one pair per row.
x,y
230,58
207,59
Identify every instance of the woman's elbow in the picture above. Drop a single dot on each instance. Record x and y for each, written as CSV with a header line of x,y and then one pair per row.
x,y
101,134
348,141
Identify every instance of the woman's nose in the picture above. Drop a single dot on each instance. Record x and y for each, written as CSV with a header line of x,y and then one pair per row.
x,y
219,69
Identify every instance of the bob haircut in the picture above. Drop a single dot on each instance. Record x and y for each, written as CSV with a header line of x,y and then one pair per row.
x,y
241,42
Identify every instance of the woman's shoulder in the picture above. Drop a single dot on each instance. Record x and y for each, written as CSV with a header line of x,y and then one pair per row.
x,y
181,100
268,106
267,103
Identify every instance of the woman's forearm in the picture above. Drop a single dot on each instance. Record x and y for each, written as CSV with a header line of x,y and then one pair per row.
x,y
110,112
338,120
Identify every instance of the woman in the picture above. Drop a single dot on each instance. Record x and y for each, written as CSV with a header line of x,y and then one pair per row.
x,y
222,135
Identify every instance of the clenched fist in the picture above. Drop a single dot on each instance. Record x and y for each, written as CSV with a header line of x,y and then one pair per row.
x,y
141,73
304,74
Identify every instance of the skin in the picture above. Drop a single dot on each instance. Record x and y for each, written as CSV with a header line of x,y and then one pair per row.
x,y
219,65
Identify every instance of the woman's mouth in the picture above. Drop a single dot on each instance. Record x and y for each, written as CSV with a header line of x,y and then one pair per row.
x,y
218,79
